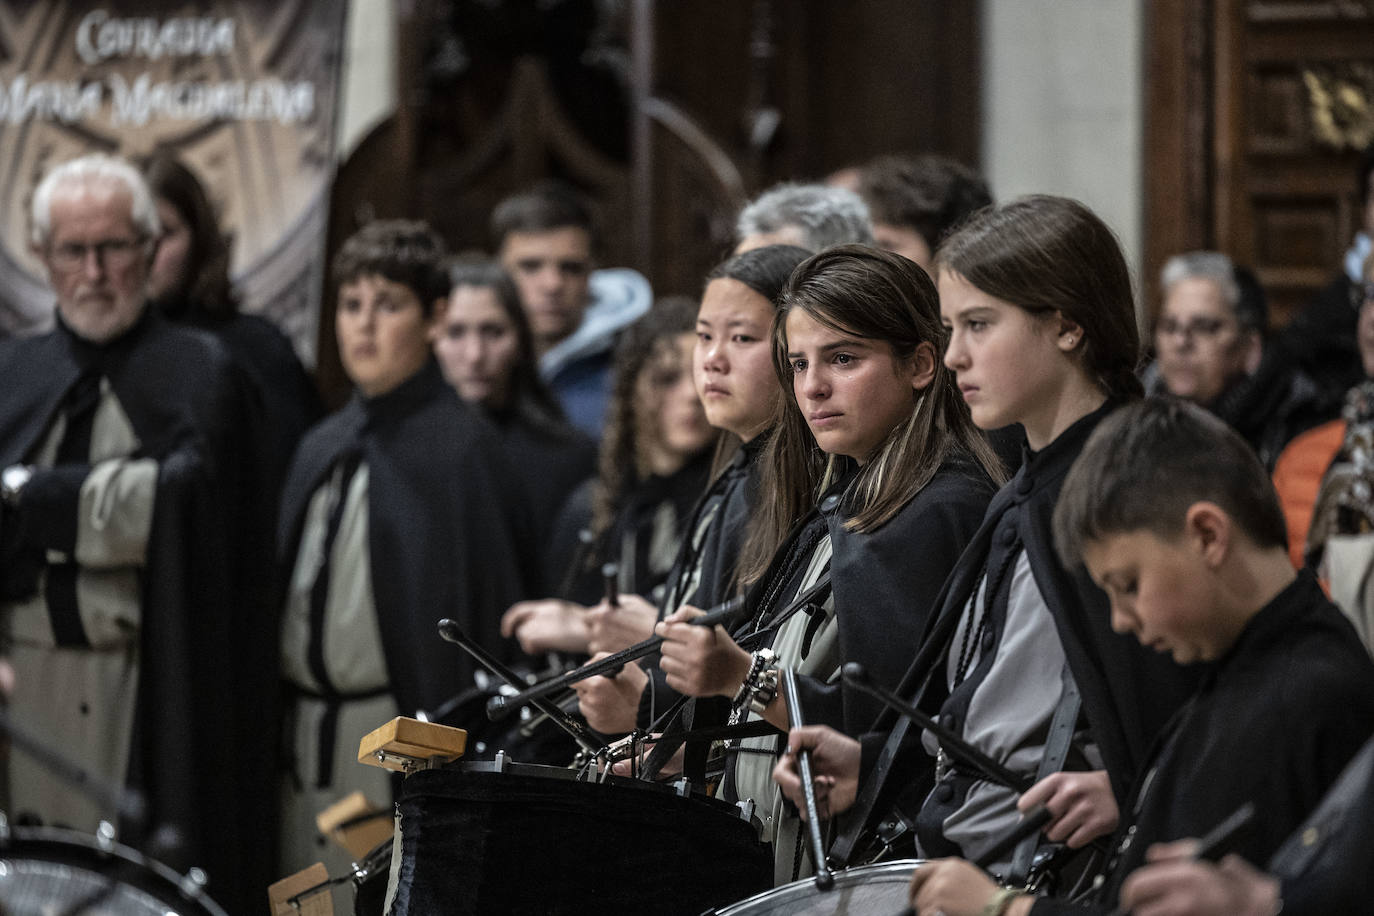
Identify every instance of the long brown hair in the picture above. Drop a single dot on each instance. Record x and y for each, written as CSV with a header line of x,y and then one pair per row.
x,y
875,295
207,292
1050,254
618,459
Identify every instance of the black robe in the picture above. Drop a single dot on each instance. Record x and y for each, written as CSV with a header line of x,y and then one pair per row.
x,y
1274,723
550,461
575,564
1128,692
203,731
885,583
1327,865
441,517
729,499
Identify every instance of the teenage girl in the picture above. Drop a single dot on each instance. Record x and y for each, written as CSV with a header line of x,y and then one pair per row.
x,y
732,368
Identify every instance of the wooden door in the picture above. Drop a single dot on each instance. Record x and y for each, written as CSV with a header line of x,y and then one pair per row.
x,y
1253,136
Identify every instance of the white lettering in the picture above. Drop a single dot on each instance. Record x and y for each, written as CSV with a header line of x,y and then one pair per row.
x,y
52,101
256,100
99,38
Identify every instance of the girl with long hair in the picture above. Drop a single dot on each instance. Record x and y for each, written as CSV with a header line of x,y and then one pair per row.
x,y
485,348
872,482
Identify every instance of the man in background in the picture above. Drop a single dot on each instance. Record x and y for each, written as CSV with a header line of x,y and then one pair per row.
x,y
546,240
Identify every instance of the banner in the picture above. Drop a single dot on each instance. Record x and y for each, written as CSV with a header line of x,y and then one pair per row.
x,y
245,93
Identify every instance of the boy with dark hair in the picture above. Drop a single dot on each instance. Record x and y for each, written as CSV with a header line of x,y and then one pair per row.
x,y
546,239
1176,520
395,514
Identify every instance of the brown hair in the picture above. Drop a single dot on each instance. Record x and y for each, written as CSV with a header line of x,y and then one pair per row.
x,y
618,459
930,194
551,204
401,250
207,292
1147,463
1050,254
876,295
529,396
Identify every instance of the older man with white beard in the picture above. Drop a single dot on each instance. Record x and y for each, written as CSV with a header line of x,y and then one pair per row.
x,y
118,442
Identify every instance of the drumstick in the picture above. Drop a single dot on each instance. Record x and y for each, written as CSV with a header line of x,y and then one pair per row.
x,y
610,577
824,879
586,739
1220,839
957,747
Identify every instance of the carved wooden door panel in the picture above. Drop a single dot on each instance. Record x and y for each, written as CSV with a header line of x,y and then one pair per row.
x,y
1257,111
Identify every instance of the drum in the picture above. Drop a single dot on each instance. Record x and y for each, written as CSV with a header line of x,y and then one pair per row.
x,y
46,870
867,889
510,838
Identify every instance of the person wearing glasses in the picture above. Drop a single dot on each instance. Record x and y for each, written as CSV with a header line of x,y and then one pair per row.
x,y
1210,346
121,441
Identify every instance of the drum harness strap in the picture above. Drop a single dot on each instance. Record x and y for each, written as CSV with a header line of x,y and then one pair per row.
x,y
1057,745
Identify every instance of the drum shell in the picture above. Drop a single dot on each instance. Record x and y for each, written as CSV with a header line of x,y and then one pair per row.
x,y
533,840
68,860
867,889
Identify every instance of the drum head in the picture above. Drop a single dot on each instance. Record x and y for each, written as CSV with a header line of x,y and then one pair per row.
x,y
867,889
44,871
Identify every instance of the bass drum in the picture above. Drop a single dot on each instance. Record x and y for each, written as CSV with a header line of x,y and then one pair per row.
x,y
866,889
45,870
479,838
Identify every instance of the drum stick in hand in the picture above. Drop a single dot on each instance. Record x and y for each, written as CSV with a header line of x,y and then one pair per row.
x,y
610,578
824,879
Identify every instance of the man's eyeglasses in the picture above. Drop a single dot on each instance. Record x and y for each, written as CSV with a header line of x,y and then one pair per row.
x,y
1197,329
114,254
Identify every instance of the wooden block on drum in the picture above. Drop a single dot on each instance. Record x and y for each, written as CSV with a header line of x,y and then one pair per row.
x,y
403,743
356,824
319,904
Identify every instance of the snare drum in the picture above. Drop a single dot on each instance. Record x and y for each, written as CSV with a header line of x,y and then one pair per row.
x,y
867,889
46,870
508,838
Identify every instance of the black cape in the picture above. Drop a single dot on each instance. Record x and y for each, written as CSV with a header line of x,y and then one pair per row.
x,y
550,461
575,562
203,731
731,496
1274,723
441,516
885,583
